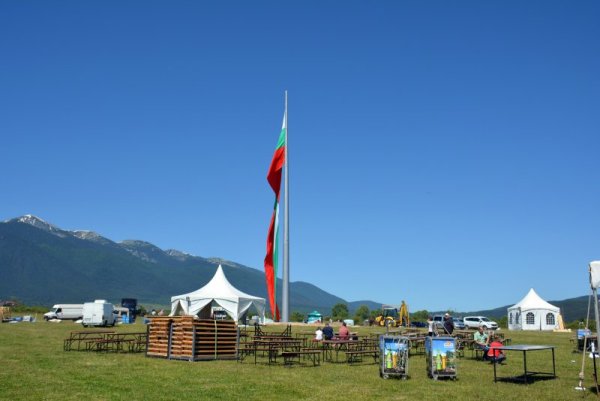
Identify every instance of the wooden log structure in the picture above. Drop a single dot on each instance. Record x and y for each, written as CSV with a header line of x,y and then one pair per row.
x,y
192,339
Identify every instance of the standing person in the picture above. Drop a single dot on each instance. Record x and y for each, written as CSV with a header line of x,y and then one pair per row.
x,y
327,332
430,326
448,324
318,334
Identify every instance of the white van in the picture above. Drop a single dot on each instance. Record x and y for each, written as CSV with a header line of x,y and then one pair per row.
x,y
98,313
65,312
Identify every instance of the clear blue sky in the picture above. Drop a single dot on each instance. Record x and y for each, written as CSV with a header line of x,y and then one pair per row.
x,y
442,153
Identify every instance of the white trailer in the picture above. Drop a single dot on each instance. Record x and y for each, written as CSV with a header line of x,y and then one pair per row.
x,y
98,313
65,312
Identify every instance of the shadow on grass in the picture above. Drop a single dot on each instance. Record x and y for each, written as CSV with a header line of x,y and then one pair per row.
x,y
529,379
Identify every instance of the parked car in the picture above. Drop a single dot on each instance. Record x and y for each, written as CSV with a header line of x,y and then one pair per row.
x,y
438,322
418,324
474,322
458,323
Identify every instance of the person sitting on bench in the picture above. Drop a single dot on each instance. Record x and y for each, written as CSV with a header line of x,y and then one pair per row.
x,y
318,334
494,354
327,332
481,341
344,333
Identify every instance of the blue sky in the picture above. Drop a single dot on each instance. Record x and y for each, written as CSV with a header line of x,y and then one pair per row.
x,y
442,153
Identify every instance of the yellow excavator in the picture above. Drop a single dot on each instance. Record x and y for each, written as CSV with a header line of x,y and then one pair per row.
x,y
393,316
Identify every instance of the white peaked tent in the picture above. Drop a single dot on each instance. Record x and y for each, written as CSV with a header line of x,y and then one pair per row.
x,y
218,291
533,313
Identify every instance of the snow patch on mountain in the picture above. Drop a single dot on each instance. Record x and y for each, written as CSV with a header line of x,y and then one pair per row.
x,y
39,223
181,256
224,262
91,236
141,249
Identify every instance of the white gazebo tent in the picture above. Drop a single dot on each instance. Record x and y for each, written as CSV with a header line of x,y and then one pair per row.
x,y
218,291
533,313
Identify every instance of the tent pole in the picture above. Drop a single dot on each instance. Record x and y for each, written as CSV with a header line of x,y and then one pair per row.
x,y
595,291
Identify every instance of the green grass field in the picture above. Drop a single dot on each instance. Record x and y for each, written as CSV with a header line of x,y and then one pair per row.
x,y
33,366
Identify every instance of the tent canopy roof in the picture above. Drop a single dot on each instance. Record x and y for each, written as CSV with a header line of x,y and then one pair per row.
x,y
217,288
533,301
220,290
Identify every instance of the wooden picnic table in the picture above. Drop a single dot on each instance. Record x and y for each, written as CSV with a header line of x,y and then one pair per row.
x,y
311,353
272,347
78,337
368,341
337,345
417,342
107,344
271,338
135,342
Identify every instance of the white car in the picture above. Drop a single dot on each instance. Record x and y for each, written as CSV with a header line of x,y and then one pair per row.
x,y
474,322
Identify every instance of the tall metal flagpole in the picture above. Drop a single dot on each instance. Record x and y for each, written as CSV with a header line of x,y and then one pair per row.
x,y
285,295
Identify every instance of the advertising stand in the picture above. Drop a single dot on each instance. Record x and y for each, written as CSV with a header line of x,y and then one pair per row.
x,y
584,336
440,353
393,356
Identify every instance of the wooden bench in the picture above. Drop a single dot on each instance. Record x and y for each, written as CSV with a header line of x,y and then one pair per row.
x,y
417,345
245,349
313,354
79,337
356,355
111,344
139,344
271,353
477,353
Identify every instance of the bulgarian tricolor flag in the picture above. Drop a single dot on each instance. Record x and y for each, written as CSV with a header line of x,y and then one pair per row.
x,y
272,258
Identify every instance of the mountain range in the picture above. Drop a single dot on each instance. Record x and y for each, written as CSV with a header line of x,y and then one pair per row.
x,y
41,264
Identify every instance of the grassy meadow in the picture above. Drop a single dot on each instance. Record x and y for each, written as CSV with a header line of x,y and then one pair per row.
x,y
33,366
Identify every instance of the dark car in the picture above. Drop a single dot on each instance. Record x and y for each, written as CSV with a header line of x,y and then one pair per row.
x,y
418,324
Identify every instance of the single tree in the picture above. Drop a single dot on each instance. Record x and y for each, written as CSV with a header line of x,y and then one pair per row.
x,y
339,312
297,317
361,314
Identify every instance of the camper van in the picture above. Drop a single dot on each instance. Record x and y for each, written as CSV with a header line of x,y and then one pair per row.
x,y
98,313
121,314
65,312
